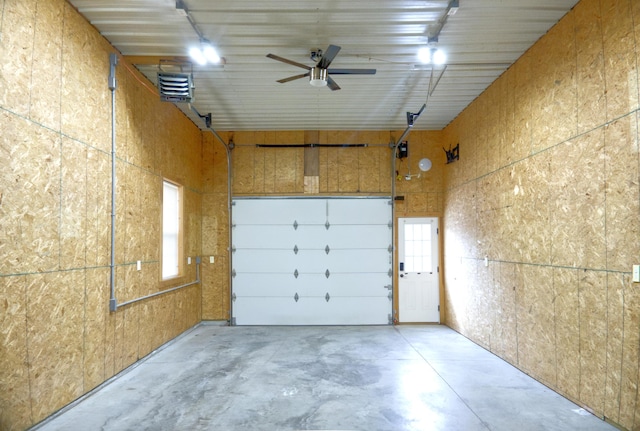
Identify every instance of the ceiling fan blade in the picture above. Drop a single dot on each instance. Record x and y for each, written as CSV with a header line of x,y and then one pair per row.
x,y
332,84
286,60
328,56
291,78
352,71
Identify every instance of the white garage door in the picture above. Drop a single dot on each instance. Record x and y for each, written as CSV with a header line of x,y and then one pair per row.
x,y
311,261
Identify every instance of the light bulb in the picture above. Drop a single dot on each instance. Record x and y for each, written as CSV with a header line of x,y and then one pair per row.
x,y
198,56
211,54
424,55
439,57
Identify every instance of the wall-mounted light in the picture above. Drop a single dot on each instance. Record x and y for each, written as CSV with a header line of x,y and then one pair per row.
x,y
424,164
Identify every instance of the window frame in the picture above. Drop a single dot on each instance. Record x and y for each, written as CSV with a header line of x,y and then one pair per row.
x,y
180,234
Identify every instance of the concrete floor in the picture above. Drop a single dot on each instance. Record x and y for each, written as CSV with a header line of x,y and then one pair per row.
x,y
324,378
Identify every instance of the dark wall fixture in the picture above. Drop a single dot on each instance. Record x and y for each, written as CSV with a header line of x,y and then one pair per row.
x,y
403,150
453,154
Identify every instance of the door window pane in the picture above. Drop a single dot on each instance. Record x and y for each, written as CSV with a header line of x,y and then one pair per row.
x,y
417,248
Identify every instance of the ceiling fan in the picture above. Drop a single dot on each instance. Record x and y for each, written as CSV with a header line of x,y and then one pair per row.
x,y
319,74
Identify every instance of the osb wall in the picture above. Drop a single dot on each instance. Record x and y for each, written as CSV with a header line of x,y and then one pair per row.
x,y
290,171
58,339
547,190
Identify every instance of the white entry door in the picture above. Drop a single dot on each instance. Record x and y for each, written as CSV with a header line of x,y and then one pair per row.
x,y
311,261
418,283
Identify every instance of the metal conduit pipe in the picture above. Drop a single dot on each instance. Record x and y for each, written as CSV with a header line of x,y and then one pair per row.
x,y
113,303
227,148
162,292
113,60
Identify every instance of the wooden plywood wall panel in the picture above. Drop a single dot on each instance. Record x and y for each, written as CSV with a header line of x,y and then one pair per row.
x,y
17,50
54,319
621,74
31,157
510,281
95,329
485,301
590,74
567,331
15,405
629,376
98,223
577,192
593,336
536,323
531,234
523,99
85,95
74,193
215,289
622,179
615,333
490,116
480,110
511,151
47,64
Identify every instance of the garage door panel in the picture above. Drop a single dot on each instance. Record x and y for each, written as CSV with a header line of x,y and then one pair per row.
x,y
312,311
358,236
351,284
277,236
359,211
279,211
360,261
275,261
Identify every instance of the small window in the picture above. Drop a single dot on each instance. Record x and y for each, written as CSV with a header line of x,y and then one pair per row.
x,y
171,229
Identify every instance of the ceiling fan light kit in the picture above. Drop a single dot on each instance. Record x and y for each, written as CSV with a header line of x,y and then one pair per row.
x,y
318,77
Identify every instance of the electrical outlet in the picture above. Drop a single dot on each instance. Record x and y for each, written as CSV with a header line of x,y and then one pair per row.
x,y
211,259
138,265
636,273
189,260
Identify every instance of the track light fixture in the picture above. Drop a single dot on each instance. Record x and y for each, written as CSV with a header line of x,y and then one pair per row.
x,y
205,53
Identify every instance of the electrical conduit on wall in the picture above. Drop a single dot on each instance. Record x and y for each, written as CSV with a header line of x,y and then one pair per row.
x,y
113,303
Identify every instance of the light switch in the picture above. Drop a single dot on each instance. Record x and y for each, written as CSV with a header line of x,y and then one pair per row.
x,y
486,261
139,265
189,260
636,273
211,259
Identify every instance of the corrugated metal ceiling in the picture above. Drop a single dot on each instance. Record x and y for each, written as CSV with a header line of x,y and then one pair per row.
x,y
481,40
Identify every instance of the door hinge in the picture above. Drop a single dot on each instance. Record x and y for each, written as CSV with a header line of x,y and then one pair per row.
x,y
438,308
